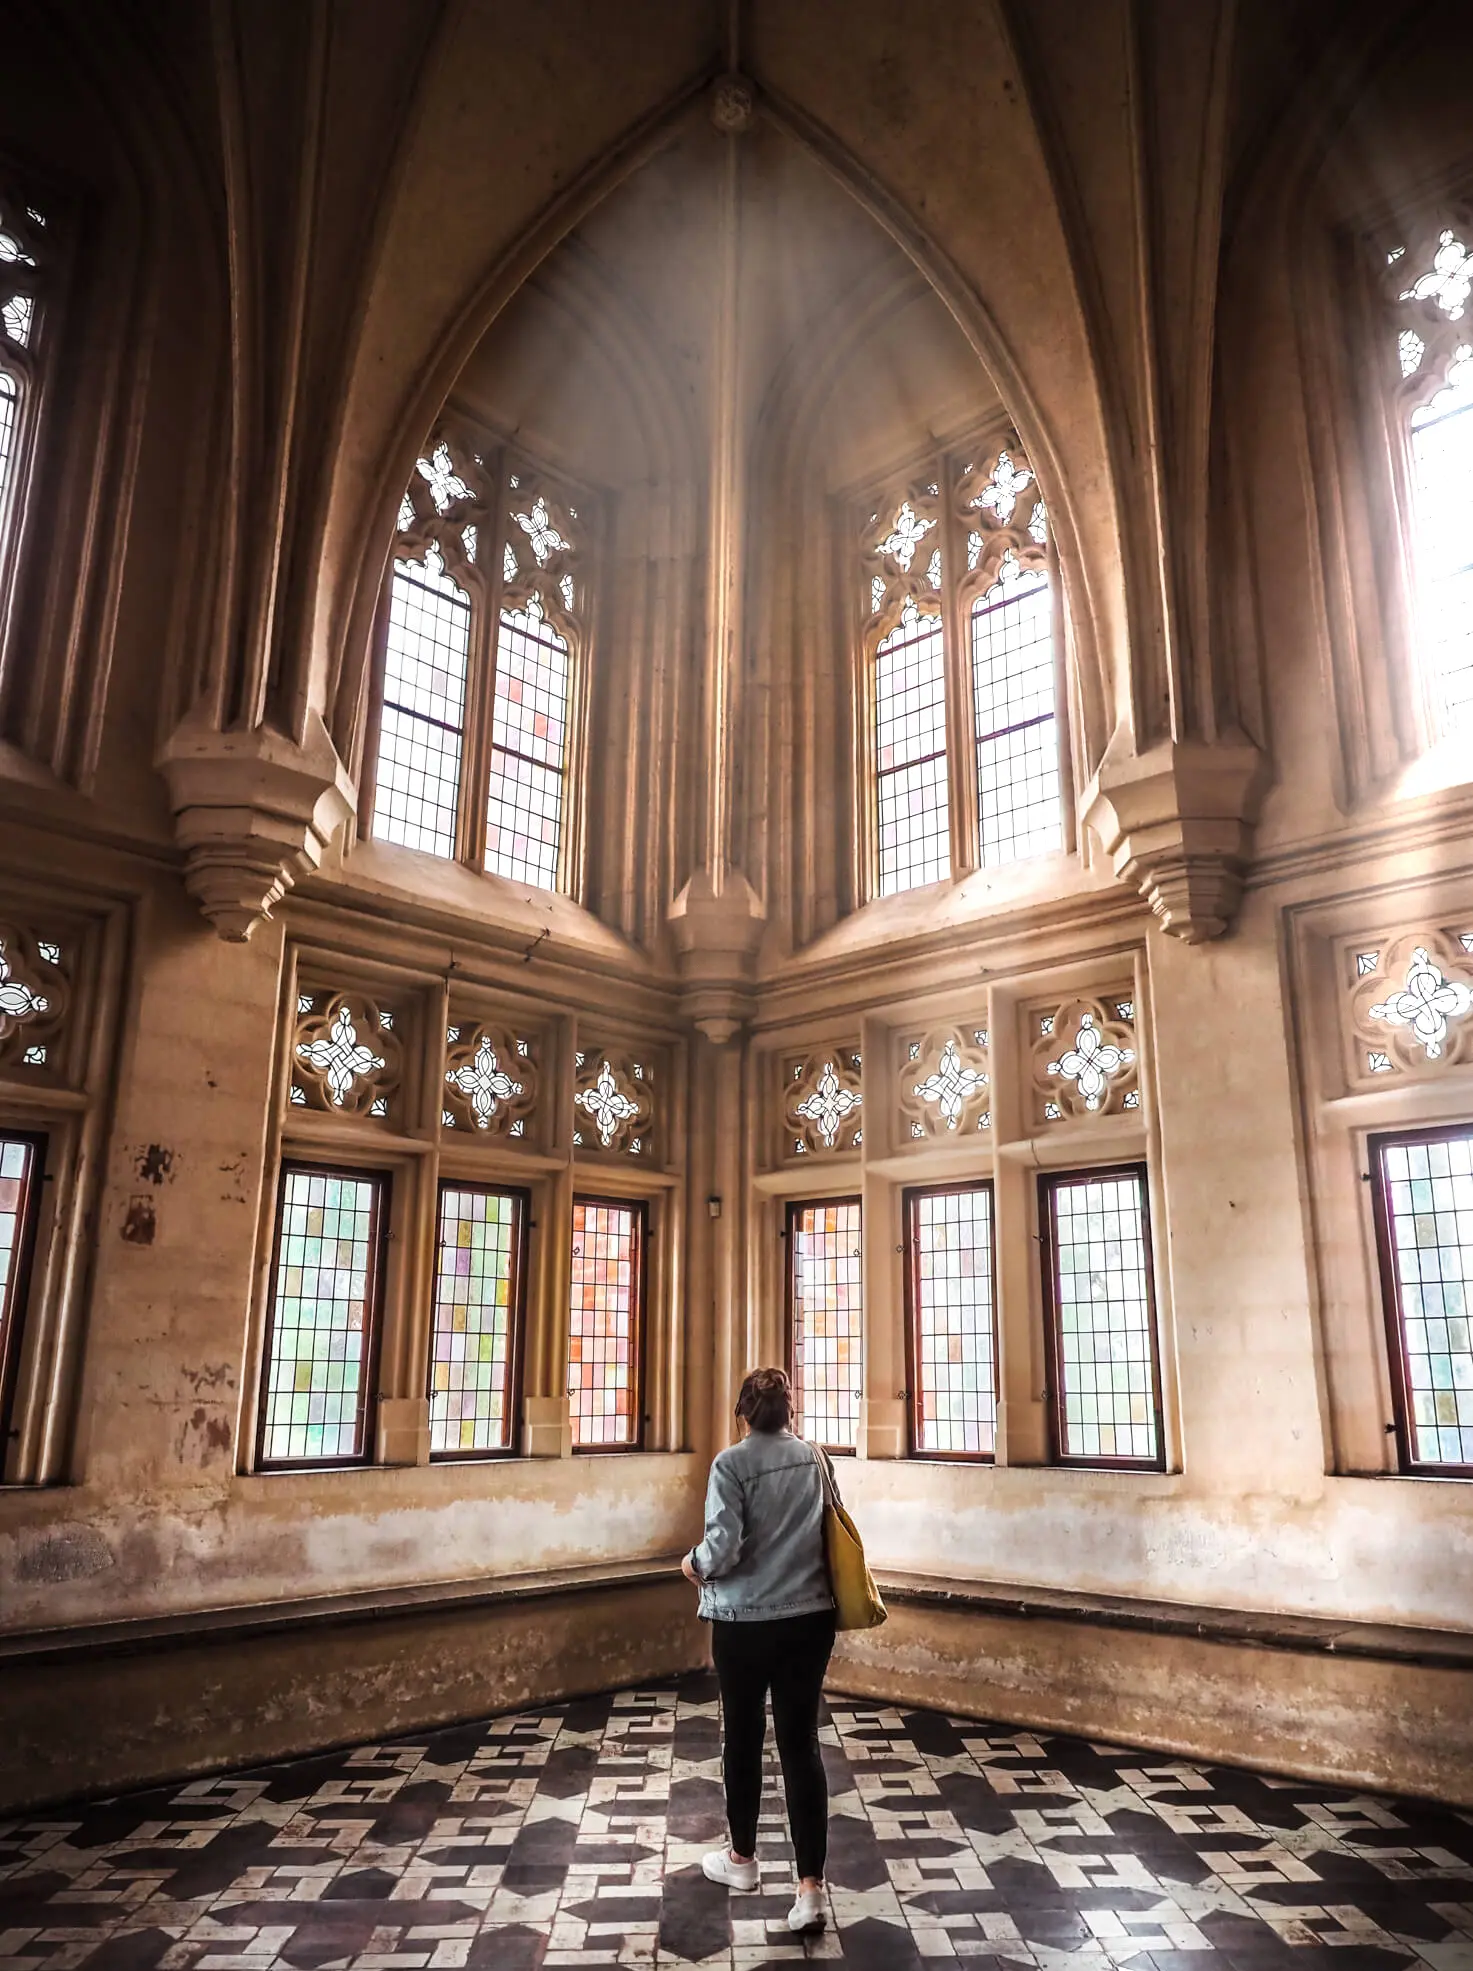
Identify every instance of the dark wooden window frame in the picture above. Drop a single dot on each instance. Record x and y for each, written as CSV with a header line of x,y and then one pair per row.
x,y
382,1182
793,1208
910,1198
1049,1184
12,1332
641,1210
516,1338
1391,1295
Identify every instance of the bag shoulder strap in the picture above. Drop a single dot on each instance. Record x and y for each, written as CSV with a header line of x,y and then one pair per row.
x,y
826,1474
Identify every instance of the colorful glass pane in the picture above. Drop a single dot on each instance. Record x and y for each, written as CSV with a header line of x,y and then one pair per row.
x,y
329,1234
603,1340
826,1299
417,789
524,809
17,1174
1428,1192
473,1340
953,1342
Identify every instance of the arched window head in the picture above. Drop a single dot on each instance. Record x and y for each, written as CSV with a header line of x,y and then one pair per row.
x,y
1431,333
962,671
483,637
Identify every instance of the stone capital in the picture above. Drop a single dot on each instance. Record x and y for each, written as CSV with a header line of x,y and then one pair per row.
x,y
253,810
1177,822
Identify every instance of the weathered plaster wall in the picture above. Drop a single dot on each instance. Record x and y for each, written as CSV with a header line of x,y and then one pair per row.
x,y
100,1722
1347,1720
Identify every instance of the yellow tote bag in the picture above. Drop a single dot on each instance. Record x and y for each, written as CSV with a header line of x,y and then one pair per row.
x,y
856,1598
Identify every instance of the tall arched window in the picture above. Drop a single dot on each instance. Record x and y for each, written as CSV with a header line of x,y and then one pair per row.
x,y
28,259
962,673
1432,290
483,635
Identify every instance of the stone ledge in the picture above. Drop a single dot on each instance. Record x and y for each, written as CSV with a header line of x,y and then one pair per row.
x,y
1386,1642
143,1635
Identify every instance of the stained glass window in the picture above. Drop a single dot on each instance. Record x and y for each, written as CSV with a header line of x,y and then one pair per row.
x,y
524,811
607,1317
1424,1187
910,754
477,1314
324,1303
1102,1327
19,1161
417,792
826,1320
1442,473
1017,730
9,399
953,1343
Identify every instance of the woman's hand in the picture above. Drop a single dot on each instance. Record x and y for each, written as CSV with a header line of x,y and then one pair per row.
x,y
689,1572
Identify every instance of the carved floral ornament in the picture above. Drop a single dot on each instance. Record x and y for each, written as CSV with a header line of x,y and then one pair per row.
x,y
452,504
614,1102
944,1083
822,1101
1411,1003
491,1077
34,994
1429,288
346,1054
1084,1058
995,501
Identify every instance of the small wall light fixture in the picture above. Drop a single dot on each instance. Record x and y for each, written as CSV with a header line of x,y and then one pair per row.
x,y
713,1207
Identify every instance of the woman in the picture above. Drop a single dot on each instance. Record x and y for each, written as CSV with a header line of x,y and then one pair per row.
x,y
765,1591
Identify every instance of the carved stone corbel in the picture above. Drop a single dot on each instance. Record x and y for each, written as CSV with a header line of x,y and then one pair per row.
x,y
252,811
716,934
1177,822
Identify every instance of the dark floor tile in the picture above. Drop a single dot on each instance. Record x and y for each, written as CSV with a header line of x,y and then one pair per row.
x,y
135,1950
871,1945
507,1947
695,1918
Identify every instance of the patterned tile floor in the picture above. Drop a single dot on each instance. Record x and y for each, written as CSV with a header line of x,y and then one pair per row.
x,y
571,1837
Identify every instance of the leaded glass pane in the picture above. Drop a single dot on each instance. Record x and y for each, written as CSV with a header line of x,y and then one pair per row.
x,y
1428,1192
952,1341
9,400
17,1176
417,789
472,1345
322,1307
524,810
912,794
1107,1400
1442,469
603,1342
826,1299
1013,692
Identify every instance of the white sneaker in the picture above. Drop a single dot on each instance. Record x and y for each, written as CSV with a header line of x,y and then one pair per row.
x,y
719,1867
808,1912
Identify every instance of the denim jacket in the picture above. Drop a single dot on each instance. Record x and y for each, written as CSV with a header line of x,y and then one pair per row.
x,y
762,1557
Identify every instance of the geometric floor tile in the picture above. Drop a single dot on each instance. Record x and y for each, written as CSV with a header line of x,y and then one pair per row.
x,y
572,1836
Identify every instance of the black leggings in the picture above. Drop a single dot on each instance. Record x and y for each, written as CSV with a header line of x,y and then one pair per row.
x,y
788,1657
